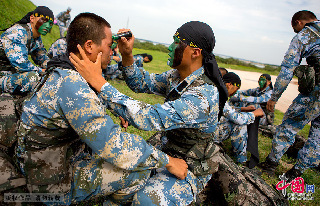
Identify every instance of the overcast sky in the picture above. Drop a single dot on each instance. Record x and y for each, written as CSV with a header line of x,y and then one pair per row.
x,y
258,30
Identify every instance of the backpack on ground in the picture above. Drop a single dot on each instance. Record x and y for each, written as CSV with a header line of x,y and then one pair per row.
x,y
237,185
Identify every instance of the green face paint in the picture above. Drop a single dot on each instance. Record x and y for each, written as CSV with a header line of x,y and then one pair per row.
x,y
262,82
176,50
45,27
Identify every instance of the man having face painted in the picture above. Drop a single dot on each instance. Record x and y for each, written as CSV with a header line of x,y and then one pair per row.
x,y
258,97
17,73
195,96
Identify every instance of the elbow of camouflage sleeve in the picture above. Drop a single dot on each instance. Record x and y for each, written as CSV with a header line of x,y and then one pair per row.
x,y
274,98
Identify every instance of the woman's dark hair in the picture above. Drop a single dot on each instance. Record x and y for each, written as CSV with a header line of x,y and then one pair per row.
x,y
85,26
302,15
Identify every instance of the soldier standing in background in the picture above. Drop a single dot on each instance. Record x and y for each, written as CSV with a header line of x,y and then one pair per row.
x,y
63,21
305,107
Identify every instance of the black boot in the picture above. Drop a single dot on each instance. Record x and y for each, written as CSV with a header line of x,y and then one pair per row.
x,y
268,166
292,174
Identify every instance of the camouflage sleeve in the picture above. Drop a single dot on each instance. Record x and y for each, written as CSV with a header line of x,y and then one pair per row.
x,y
291,60
189,111
138,60
19,82
68,22
240,118
248,92
111,69
140,81
86,115
15,44
57,48
39,54
260,99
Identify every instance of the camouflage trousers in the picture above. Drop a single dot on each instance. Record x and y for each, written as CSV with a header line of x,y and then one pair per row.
x,y
18,82
94,178
163,188
304,109
238,135
62,27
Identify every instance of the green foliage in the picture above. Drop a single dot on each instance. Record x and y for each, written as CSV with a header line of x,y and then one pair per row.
x,y
149,46
233,61
13,10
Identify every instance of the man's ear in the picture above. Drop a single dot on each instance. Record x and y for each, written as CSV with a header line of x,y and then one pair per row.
x,y
32,18
88,46
196,52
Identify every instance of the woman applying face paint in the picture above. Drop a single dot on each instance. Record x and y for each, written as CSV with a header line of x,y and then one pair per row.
x,y
17,73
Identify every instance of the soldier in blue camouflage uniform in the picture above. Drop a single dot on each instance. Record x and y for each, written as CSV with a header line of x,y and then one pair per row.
x,y
233,124
195,94
67,143
19,41
142,58
258,97
63,21
305,107
58,47
113,71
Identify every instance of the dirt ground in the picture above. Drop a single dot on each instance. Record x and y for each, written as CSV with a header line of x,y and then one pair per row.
x,y
250,80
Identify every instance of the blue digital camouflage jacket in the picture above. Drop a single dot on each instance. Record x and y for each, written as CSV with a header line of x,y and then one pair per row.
x,y
240,118
255,95
196,108
66,100
14,41
306,43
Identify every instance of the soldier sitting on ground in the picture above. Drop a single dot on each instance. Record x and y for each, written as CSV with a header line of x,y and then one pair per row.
x,y
233,124
257,97
17,73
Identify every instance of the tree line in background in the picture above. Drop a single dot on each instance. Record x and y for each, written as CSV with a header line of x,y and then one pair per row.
x,y
149,46
232,61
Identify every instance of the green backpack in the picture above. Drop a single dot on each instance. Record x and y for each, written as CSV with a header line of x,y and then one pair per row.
x,y
308,75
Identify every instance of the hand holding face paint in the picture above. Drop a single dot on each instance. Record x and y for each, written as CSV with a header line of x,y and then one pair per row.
x,y
125,48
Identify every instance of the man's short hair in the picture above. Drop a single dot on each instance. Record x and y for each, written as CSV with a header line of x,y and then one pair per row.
x,y
232,78
302,15
85,26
